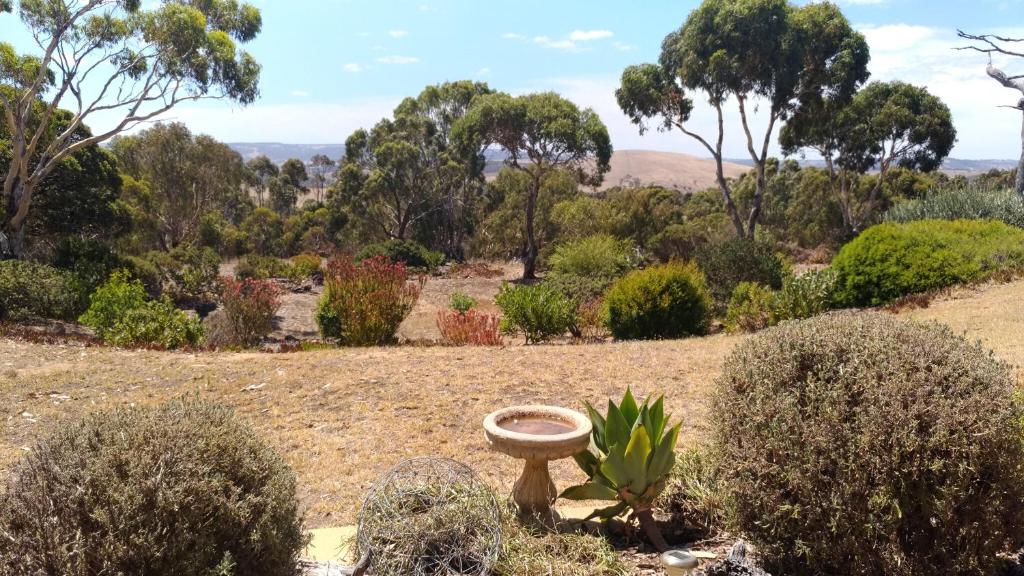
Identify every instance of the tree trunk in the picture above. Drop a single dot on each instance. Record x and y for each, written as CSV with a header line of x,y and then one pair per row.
x,y
530,258
14,227
755,203
1020,165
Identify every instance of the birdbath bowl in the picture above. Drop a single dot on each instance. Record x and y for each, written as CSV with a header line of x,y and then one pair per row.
x,y
537,434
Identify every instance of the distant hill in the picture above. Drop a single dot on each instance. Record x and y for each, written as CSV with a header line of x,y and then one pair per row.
x,y
670,170
278,152
951,166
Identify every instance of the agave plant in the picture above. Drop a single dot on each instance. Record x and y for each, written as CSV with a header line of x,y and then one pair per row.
x,y
629,461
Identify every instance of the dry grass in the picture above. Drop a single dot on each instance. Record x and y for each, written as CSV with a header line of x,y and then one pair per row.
x,y
343,417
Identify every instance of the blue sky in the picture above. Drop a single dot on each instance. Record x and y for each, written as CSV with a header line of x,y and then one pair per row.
x,y
331,66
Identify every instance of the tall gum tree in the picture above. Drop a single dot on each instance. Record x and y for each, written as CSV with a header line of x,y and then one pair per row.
x,y
114,58
887,124
992,44
744,53
540,133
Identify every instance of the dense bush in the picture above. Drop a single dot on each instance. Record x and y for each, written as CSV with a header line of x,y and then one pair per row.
x,y
963,203
729,262
880,445
583,269
306,266
468,328
263,267
892,260
461,302
122,315
536,311
249,306
751,308
90,261
183,489
31,289
665,301
412,254
187,275
364,303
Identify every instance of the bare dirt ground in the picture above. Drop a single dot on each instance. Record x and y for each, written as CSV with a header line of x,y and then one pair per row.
x,y
343,417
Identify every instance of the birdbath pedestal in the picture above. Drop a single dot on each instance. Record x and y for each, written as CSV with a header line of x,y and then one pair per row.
x,y
537,434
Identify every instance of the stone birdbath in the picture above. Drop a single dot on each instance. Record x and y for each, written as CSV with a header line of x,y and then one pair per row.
x,y
537,434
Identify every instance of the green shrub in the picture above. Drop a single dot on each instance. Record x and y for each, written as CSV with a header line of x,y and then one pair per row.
x,y
364,303
805,295
262,267
461,302
187,275
964,203
412,254
693,497
249,307
30,289
536,311
183,489
878,445
122,315
306,266
751,308
892,260
665,301
145,271
583,269
729,262
90,261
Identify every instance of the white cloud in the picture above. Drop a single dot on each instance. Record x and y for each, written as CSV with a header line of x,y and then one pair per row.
x,y
588,35
557,44
300,93
398,33
398,60
483,72
353,67
623,46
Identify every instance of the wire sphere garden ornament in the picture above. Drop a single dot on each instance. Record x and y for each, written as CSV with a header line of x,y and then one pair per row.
x,y
429,516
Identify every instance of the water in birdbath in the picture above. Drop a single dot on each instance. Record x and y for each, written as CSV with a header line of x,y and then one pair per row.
x,y
537,426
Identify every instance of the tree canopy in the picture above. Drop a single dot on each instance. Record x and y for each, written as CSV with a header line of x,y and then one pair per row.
x,y
746,50
540,134
119,59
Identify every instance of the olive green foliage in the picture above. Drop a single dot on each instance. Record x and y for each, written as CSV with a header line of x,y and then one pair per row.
x,y
536,311
633,451
786,54
30,289
862,443
664,301
262,231
461,302
962,203
751,308
122,315
583,269
693,496
726,264
187,275
541,133
91,261
100,495
306,266
264,267
528,552
162,55
412,254
892,260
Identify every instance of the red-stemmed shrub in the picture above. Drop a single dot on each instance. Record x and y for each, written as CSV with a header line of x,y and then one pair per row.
x,y
249,308
365,302
469,328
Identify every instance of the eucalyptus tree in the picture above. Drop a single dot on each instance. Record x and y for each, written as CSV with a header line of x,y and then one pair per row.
x,y
187,176
991,45
749,52
264,170
116,59
406,171
540,134
887,124
321,165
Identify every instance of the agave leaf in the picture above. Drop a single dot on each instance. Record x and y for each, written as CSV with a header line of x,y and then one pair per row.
x,y
647,419
588,463
637,453
658,420
665,456
614,467
598,423
617,429
589,491
629,409
609,512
